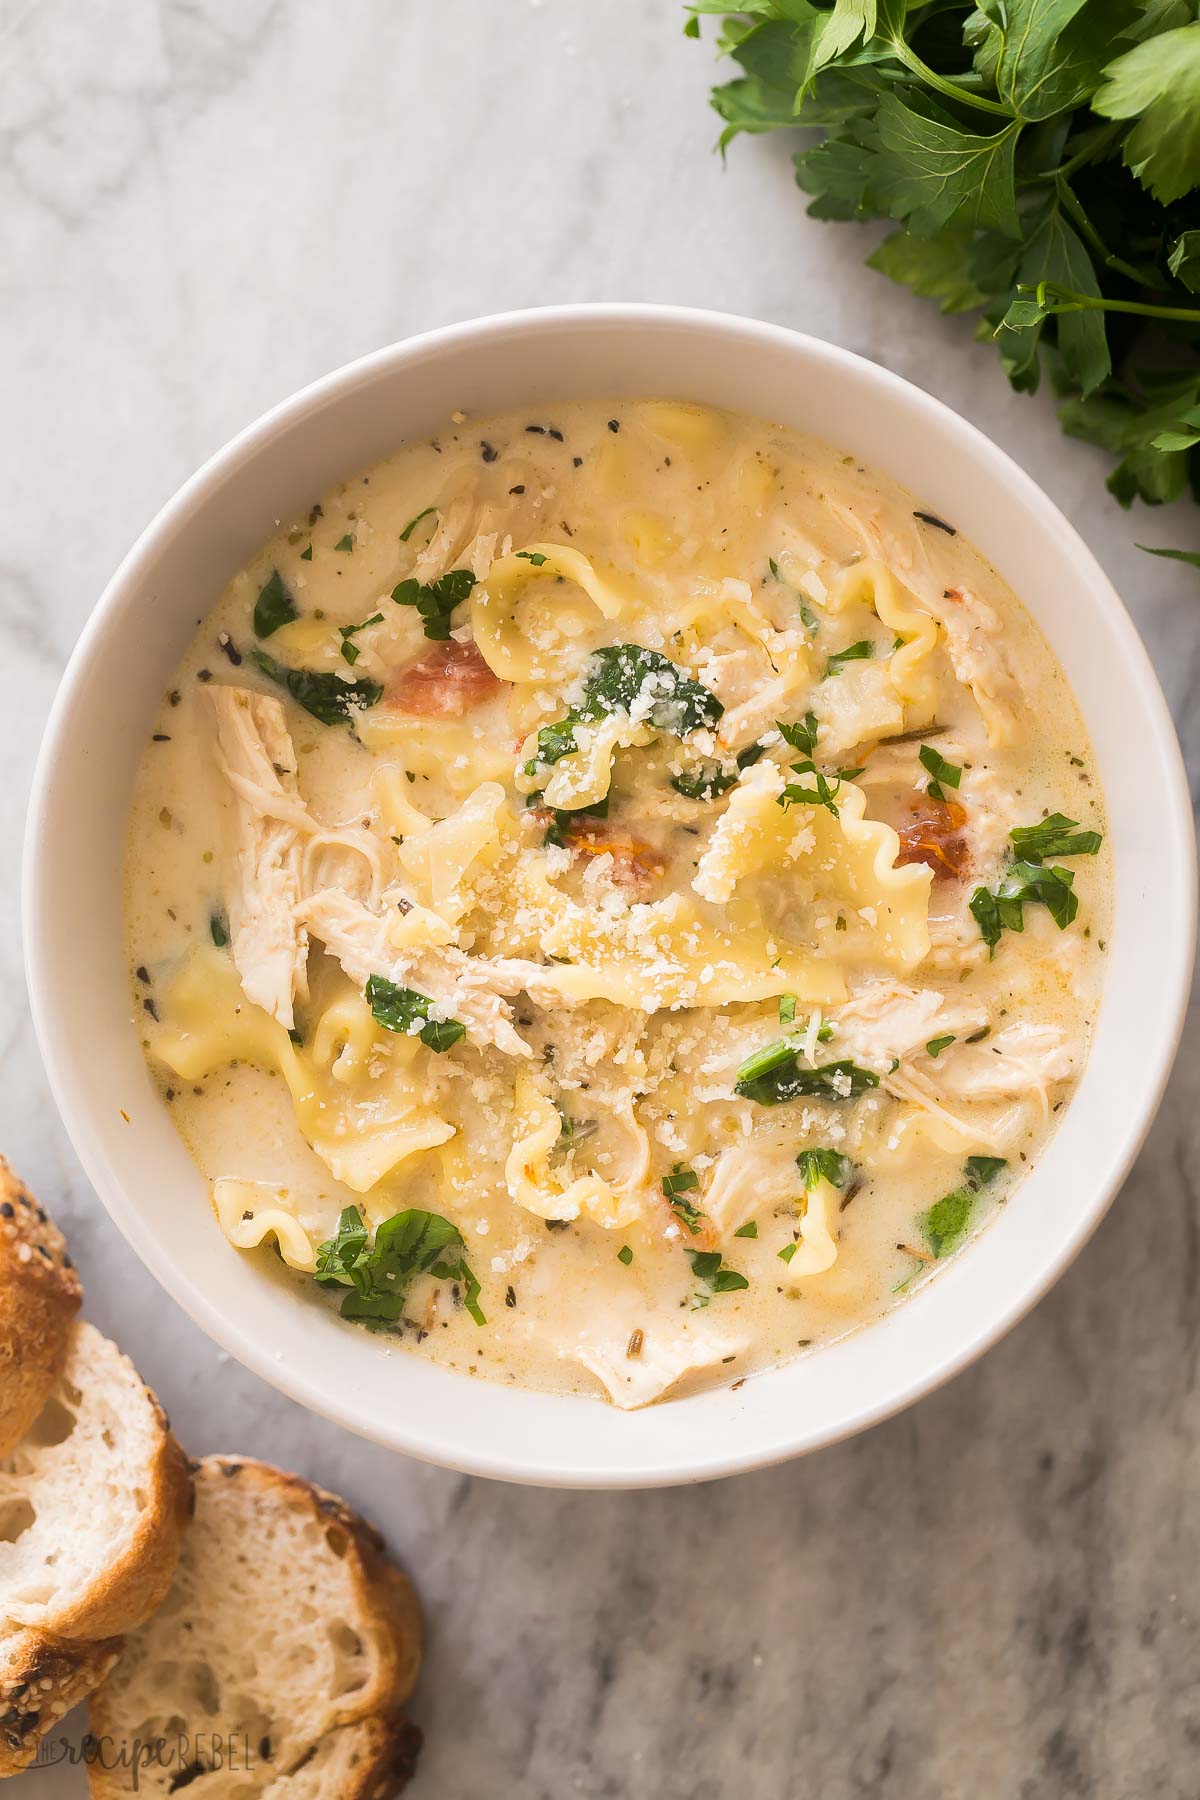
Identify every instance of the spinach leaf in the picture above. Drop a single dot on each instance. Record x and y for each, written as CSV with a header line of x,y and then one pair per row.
x,y
775,1074
945,1223
641,684
713,779
379,1275
327,697
274,606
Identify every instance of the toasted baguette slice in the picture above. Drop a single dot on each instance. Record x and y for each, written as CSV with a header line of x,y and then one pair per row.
x,y
41,1679
287,1634
39,1297
93,1502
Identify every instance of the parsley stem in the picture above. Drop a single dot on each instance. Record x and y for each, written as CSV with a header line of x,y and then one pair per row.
x,y
1069,202
1095,144
905,54
1068,301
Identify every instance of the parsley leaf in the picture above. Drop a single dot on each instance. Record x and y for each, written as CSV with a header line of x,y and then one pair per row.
x,y
1041,159
327,697
944,1225
347,633
999,908
436,600
860,652
820,794
429,512
1055,836
274,606
1158,83
679,1182
936,1045
802,735
943,774
400,1009
708,1268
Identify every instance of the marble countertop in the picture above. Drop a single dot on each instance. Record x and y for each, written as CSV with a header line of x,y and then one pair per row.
x,y
209,202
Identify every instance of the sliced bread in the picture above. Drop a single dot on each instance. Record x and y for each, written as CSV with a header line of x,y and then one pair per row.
x,y
93,1501
39,1298
287,1636
41,1679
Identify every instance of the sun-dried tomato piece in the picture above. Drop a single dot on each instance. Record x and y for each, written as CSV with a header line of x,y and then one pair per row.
x,y
636,864
446,682
934,836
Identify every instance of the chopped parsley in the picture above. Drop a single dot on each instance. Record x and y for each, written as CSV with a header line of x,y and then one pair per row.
x,y
749,1230
944,1224
708,1268
1055,836
936,1045
787,1008
429,512
411,1014
306,553
536,557
775,1074
436,600
379,1275
327,697
802,736
347,633
679,1182
274,606
1000,908
346,543
942,774
860,652
625,1255
219,931
822,793
620,679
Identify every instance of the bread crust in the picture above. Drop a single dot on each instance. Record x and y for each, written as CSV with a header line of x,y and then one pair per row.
x,y
136,1586
41,1679
131,1586
392,1747
368,1748
40,1294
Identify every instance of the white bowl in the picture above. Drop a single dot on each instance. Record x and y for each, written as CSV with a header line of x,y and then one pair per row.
x,y
79,983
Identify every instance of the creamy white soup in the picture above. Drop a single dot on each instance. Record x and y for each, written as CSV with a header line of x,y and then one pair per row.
x,y
616,896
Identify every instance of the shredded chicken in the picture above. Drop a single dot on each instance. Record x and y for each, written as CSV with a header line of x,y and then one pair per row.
x,y
1021,1059
255,754
660,1360
885,1021
462,987
281,852
749,1180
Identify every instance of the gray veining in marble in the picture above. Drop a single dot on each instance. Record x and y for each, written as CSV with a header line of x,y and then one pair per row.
x,y
206,203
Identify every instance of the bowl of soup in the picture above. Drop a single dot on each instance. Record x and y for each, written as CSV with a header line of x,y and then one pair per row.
x,y
584,910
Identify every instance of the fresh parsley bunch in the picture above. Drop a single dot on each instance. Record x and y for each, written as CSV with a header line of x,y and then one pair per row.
x,y
1041,159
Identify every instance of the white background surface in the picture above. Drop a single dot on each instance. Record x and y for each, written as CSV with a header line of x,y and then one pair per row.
x,y
205,204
